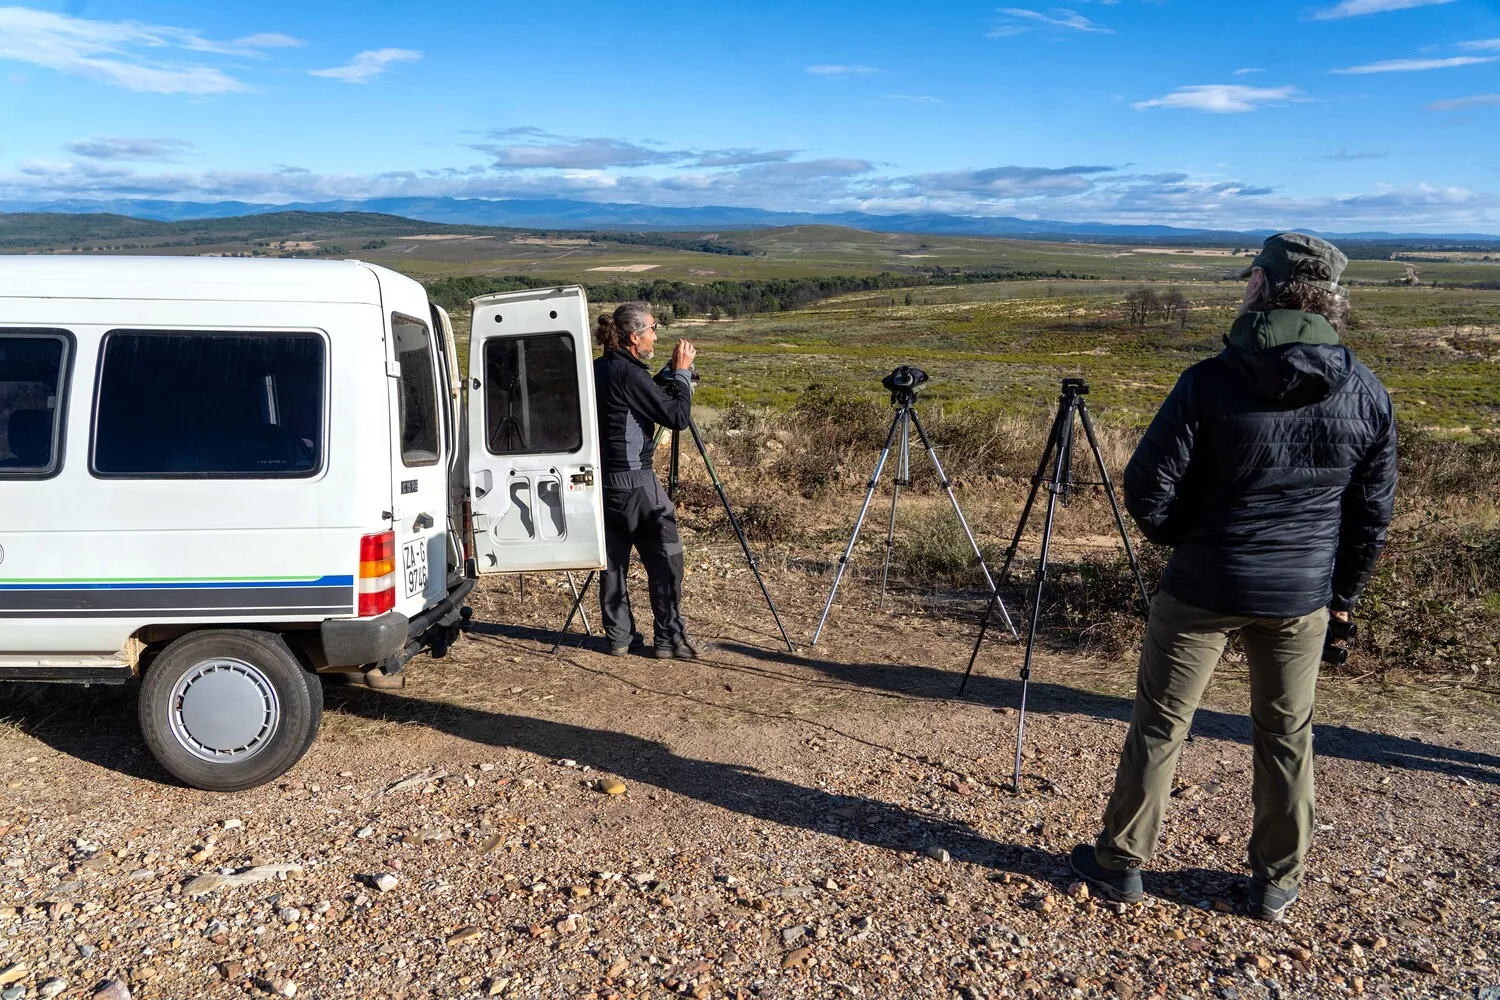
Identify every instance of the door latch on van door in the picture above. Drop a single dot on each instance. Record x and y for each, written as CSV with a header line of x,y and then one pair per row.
x,y
583,478
422,522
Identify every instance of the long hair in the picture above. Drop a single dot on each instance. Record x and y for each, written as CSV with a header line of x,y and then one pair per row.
x,y
1306,298
613,331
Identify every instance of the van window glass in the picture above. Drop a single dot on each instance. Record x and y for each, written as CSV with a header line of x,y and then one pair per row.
x,y
32,364
418,391
209,405
531,401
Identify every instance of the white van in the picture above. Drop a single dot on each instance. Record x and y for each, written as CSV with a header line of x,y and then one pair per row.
x,y
223,476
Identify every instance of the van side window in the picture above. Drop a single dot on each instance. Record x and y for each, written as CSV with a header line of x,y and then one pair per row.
x,y
32,367
531,403
209,405
417,391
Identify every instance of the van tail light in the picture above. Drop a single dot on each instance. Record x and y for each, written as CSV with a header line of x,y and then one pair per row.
x,y
377,574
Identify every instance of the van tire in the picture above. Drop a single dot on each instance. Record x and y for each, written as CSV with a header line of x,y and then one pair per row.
x,y
255,706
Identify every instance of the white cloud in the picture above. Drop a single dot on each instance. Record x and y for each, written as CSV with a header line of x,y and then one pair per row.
x,y
913,98
1018,20
1465,103
1415,65
1247,71
366,66
1482,45
116,147
1359,8
1222,98
833,69
116,52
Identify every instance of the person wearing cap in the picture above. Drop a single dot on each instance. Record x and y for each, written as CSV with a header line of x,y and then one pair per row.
x,y
1270,472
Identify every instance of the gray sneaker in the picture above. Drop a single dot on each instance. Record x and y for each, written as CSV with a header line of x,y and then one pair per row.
x,y
1270,902
1120,885
636,642
680,647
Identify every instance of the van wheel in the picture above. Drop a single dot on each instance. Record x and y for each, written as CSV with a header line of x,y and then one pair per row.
x,y
226,710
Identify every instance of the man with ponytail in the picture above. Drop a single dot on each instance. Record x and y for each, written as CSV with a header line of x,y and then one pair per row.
x,y
637,513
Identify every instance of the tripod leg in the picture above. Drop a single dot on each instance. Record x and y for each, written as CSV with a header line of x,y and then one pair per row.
x,y
572,584
1114,505
739,532
1015,544
675,467
903,473
854,535
963,523
1064,449
577,606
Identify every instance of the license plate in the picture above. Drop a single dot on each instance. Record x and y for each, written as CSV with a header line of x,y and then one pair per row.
x,y
414,566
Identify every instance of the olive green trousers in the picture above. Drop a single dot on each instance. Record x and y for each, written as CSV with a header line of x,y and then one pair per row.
x,y
1182,646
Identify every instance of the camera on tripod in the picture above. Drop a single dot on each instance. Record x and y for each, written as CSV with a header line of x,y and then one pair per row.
x,y
1336,642
903,383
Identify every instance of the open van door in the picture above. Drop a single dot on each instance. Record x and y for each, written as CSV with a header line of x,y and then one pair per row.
x,y
533,434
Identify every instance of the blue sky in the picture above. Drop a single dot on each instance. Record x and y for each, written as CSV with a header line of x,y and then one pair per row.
x,y
1360,114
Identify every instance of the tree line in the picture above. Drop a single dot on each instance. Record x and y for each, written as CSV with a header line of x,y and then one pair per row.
x,y
729,298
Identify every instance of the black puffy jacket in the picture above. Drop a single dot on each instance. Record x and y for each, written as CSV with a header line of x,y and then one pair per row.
x,y
1270,470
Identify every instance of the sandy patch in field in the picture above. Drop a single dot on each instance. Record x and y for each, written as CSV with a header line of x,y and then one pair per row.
x,y
1189,252
541,241
632,268
437,237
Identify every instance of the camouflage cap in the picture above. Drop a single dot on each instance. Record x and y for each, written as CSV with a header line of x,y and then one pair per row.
x,y
1302,258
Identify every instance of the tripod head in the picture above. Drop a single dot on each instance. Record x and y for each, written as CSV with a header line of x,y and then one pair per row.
x,y
903,384
1075,387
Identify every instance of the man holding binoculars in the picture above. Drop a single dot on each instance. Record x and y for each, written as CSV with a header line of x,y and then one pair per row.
x,y
1270,471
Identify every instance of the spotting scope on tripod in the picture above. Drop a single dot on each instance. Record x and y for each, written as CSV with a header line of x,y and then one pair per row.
x,y
903,384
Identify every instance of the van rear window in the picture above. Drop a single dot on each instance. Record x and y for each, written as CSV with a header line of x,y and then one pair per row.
x,y
531,402
418,391
32,364
209,405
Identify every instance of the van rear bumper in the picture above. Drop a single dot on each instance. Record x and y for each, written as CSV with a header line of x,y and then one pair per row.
x,y
351,642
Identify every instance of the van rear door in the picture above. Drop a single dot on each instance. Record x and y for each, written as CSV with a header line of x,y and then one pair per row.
x,y
533,434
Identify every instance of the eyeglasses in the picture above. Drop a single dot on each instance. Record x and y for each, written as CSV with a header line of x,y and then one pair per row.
x,y
647,329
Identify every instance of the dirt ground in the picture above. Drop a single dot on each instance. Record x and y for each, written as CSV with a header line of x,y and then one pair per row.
x,y
829,823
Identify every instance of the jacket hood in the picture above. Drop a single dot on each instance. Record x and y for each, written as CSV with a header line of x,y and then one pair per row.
x,y
1288,357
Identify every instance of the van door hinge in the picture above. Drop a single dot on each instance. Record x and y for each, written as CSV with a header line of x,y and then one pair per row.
x,y
584,478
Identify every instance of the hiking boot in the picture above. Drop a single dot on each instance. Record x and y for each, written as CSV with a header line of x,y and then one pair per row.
x,y
1120,885
636,642
679,647
1269,902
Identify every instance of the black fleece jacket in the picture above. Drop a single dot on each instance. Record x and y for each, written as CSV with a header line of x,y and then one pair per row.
x,y
1270,470
631,403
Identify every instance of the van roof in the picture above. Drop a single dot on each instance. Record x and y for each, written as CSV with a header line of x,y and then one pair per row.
x,y
67,276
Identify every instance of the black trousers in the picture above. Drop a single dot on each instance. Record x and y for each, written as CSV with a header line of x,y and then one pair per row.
x,y
641,518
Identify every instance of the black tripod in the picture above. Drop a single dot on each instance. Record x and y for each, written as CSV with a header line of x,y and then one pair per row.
x,y
903,384
673,473
1060,484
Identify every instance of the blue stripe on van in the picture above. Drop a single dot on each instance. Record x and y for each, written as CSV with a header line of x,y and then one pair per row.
x,y
323,581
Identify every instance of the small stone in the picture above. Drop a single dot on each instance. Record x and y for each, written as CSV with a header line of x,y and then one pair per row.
x,y
570,924
16,992
1262,963
1358,982
726,880
52,988
1300,954
284,987
796,958
1078,890
617,969
463,934
790,935
203,884
232,824
365,832
111,989
1425,966
384,882
289,914
611,786
496,986
232,970
828,885
567,762
486,767
938,854
145,974
12,973
1380,944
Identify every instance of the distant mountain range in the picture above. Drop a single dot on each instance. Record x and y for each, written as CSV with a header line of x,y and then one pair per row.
x,y
564,214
